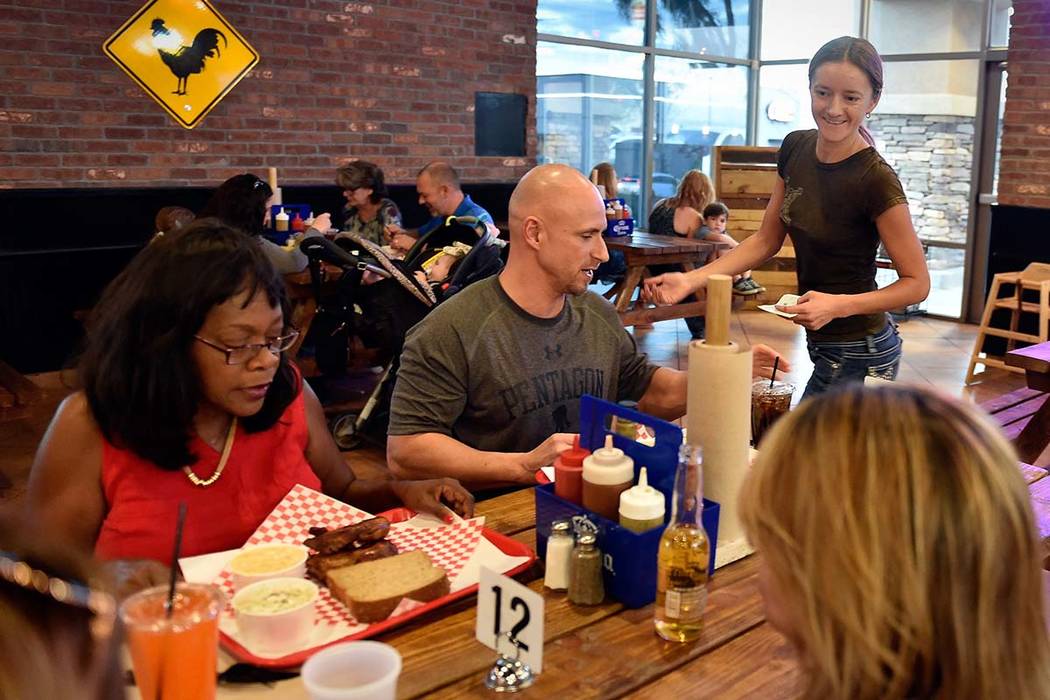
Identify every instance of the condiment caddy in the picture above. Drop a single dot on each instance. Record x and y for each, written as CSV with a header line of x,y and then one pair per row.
x,y
628,558
618,218
281,218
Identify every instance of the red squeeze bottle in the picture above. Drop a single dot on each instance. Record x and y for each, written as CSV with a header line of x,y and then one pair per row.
x,y
297,223
568,473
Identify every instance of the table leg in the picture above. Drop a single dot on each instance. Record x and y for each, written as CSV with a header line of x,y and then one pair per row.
x,y
1034,436
630,283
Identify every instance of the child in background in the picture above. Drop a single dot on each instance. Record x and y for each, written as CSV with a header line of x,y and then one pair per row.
x,y
715,217
438,269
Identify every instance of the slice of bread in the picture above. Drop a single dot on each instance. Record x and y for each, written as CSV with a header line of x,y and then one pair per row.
x,y
373,589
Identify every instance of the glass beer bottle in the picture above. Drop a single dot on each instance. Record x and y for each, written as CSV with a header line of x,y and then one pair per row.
x,y
681,567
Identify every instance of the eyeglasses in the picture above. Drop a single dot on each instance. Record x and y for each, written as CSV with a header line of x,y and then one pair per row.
x,y
242,353
101,605
258,183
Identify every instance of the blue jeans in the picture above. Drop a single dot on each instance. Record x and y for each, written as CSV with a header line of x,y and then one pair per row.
x,y
836,363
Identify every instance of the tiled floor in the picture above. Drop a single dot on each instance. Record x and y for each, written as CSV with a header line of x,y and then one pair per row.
x,y
935,353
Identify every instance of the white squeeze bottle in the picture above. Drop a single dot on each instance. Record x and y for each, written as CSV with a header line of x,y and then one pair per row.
x,y
607,472
309,220
641,506
281,221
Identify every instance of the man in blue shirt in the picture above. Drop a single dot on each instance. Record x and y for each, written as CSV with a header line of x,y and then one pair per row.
x,y
439,191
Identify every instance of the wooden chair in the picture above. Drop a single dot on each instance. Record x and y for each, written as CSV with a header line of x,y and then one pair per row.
x,y
1035,277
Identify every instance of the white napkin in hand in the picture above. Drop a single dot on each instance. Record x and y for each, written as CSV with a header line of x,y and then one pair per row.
x,y
786,300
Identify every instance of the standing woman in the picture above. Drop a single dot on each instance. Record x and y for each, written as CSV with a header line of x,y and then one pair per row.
x,y
838,199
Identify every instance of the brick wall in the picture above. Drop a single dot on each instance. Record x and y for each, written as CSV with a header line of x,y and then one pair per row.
x,y
1024,171
389,81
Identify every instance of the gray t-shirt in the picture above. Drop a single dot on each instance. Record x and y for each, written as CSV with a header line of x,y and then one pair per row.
x,y
484,371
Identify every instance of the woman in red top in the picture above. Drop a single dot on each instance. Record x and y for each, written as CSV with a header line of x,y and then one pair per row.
x,y
187,398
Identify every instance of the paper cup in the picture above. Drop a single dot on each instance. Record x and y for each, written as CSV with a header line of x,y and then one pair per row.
x,y
353,671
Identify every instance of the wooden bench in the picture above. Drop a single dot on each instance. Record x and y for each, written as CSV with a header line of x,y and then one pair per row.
x,y
1018,415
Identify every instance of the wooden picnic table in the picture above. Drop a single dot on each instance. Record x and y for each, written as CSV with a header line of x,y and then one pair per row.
x,y
1034,437
602,651
643,250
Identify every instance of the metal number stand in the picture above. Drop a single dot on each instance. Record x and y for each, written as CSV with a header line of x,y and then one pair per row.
x,y
509,675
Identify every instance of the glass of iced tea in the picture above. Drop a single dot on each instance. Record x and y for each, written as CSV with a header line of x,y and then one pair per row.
x,y
174,657
769,401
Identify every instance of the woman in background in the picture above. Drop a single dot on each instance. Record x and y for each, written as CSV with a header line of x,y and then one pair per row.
x,y
898,549
604,176
368,209
243,202
685,214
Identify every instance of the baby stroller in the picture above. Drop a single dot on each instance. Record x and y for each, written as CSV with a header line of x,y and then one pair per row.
x,y
381,313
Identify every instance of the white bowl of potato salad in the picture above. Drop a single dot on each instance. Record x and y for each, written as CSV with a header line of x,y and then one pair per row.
x,y
276,614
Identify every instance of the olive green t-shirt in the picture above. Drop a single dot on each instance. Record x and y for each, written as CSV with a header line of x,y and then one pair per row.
x,y
830,210
481,369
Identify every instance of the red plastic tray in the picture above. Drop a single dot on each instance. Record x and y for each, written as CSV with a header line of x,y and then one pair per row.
x,y
397,515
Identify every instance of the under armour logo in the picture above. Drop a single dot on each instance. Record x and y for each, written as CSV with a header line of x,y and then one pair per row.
x,y
551,353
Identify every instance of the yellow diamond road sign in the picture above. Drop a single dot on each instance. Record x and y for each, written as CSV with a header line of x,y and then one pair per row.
x,y
184,54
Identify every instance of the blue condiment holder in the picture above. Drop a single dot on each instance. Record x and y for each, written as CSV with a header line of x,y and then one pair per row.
x,y
629,558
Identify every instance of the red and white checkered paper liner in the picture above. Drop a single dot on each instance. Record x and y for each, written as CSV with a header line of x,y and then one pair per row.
x,y
449,547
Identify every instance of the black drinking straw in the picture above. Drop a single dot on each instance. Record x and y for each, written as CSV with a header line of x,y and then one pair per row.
x,y
169,606
776,363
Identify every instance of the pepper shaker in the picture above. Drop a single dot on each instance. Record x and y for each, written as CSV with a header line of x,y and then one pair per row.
x,y
585,572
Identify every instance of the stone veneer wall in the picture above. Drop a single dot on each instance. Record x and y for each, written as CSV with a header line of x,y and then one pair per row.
x,y
933,156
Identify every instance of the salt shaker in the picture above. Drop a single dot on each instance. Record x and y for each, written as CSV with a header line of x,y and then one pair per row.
x,y
585,572
559,555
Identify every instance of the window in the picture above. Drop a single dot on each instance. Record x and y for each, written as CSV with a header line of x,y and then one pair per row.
x,y
699,105
925,26
711,27
615,21
588,105
999,31
783,103
797,28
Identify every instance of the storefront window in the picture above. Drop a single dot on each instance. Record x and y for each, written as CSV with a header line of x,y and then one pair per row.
x,y
712,27
783,103
588,105
699,105
616,21
999,32
797,28
926,26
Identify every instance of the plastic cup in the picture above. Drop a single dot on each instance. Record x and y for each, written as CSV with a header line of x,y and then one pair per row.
x,y
353,671
176,657
768,404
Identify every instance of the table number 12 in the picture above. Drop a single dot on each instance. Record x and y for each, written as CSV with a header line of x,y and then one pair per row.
x,y
510,618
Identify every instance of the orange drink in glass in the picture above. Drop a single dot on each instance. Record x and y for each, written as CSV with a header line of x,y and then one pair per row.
x,y
174,657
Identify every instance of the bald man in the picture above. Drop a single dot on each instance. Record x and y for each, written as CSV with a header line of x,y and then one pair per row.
x,y
440,192
490,382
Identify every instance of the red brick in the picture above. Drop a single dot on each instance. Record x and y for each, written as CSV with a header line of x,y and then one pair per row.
x,y
363,83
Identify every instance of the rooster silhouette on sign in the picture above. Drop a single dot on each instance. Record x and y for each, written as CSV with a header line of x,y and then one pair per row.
x,y
188,60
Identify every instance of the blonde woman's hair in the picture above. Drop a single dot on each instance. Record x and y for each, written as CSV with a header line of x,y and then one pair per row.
x,y
897,532
604,174
695,190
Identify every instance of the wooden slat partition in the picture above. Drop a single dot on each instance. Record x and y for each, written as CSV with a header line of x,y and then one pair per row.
x,y
744,177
